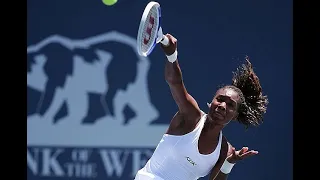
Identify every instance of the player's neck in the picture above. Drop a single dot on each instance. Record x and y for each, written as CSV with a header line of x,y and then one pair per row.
x,y
211,128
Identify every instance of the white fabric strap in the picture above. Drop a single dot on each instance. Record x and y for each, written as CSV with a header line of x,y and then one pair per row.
x,y
226,167
173,57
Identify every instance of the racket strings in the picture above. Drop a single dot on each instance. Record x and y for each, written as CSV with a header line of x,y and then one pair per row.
x,y
149,33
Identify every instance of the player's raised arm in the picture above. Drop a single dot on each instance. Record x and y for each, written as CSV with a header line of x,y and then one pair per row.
x,y
173,75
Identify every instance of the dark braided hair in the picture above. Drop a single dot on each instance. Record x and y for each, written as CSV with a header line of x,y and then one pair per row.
x,y
253,104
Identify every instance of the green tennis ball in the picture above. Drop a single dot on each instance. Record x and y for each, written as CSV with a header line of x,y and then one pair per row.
x,y
109,2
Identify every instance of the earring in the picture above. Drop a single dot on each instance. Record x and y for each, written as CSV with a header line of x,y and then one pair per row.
x,y
209,104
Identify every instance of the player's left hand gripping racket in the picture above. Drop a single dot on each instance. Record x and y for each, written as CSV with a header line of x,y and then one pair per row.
x,y
150,31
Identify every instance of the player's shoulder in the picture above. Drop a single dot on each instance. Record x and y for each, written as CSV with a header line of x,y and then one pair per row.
x,y
202,113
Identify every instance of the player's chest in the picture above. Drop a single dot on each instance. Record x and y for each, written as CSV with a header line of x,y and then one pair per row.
x,y
187,155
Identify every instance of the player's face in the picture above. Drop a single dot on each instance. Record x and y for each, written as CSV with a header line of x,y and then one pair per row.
x,y
224,105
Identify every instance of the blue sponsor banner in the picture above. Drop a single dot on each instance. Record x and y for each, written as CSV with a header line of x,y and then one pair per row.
x,y
96,109
85,162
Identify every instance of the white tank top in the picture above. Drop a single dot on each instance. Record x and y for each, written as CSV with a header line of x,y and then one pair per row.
x,y
178,158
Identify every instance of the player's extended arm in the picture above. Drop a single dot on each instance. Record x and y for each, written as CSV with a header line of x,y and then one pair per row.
x,y
221,176
216,173
224,166
173,75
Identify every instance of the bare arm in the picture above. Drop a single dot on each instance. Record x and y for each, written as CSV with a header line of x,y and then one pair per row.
x,y
221,176
232,156
187,105
216,174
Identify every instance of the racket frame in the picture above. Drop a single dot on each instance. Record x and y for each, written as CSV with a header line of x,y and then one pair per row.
x,y
158,38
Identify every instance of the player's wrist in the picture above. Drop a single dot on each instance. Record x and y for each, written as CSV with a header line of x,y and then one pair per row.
x,y
226,167
173,57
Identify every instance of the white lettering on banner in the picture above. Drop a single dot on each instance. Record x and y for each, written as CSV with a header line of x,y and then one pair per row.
x,y
50,164
112,162
32,161
81,170
81,155
77,162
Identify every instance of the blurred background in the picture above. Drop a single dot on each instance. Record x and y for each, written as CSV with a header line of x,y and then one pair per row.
x,y
96,110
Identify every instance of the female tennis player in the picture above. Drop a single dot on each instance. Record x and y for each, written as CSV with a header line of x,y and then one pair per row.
x,y
194,145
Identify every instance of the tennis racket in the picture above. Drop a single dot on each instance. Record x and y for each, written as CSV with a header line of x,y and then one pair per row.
x,y
150,31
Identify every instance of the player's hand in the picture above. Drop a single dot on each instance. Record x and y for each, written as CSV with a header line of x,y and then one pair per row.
x,y
171,48
233,156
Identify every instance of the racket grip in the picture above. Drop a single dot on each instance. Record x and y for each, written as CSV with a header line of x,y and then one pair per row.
x,y
165,40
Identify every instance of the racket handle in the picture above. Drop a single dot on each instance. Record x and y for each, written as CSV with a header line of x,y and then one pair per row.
x,y
165,40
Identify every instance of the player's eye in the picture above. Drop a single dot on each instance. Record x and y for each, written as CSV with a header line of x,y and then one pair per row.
x,y
219,99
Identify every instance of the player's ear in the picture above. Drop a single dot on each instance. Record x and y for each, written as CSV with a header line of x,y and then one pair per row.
x,y
235,117
209,105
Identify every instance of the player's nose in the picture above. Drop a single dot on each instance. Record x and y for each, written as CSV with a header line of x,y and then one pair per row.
x,y
222,106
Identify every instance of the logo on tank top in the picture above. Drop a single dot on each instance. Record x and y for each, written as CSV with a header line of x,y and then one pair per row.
x,y
191,161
